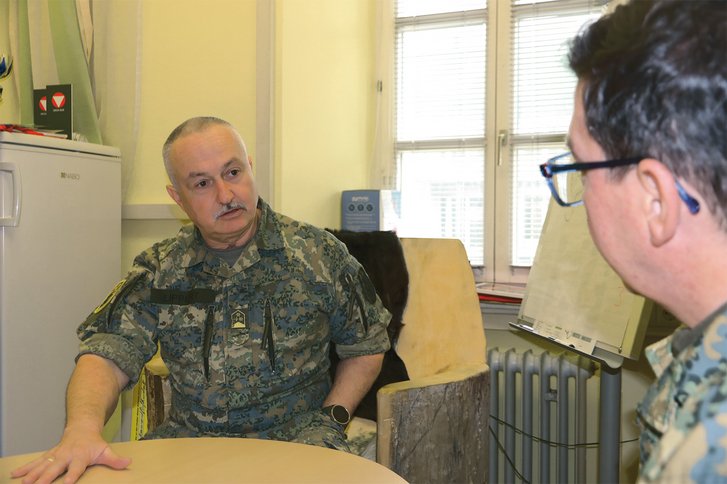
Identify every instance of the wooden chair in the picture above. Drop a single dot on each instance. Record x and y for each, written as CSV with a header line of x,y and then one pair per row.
x,y
434,427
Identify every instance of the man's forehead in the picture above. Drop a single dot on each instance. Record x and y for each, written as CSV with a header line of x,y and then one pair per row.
x,y
208,144
196,171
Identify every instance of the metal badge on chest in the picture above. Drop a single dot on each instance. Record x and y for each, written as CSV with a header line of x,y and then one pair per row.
x,y
239,318
238,322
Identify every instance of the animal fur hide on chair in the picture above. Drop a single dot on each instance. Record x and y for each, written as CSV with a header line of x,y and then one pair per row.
x,y
382,257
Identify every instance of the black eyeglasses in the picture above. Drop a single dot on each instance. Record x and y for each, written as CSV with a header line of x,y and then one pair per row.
x,y
563,176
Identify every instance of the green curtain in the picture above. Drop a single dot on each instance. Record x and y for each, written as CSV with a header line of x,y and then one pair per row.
x,y
72,66
21,66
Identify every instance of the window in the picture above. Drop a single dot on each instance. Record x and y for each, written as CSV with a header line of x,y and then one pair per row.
x,y
482,96
440,119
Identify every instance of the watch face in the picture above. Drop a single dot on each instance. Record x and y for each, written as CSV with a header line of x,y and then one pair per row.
x,y
340,414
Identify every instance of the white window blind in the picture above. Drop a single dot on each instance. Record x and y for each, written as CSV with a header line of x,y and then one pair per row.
x,y
440,120
466,168
541,106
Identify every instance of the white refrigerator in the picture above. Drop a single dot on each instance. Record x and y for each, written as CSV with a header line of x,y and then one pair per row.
x,y
60,254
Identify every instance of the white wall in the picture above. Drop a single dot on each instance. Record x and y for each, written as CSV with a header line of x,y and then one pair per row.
x,y
324,113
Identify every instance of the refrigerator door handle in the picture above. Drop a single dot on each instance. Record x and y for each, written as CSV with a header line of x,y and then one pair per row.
x,y
14,218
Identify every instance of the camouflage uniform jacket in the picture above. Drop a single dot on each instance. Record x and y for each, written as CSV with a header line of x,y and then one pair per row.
x,y
246,346
684,414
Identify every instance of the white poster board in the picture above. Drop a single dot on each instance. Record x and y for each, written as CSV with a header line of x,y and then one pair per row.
x,y
575,299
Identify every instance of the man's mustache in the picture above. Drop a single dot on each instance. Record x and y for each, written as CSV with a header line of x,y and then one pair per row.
x,y
229,207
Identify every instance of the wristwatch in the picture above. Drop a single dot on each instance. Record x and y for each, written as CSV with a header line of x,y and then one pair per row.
x,y
338,414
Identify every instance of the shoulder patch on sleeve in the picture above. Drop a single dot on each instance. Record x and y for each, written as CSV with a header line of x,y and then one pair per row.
x,y
117,291
369,291
111,296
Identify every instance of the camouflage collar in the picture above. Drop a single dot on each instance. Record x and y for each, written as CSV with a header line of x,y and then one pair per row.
x,y
269,233
672,348
268,238
688,336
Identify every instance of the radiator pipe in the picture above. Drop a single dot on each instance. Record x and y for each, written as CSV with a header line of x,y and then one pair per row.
x,y
530,369
493,361
581,423
512,366
546,396
609,425
563,418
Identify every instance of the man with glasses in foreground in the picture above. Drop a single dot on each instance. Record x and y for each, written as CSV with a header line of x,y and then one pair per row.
x,y
652,101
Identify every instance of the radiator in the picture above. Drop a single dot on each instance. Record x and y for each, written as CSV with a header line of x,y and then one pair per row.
x,y
538,408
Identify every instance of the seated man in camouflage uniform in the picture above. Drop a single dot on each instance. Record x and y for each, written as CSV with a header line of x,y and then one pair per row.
x,y
243,304
652,99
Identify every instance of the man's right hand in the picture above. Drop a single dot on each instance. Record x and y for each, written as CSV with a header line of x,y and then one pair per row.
x,y
77,450
92,394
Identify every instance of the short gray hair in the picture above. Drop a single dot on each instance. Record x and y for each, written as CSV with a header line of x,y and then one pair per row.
x,y
192,125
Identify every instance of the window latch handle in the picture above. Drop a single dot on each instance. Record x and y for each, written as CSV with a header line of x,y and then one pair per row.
x,y
502,140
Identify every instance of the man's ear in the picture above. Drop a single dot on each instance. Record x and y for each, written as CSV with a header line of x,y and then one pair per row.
x,y
660,203
174,194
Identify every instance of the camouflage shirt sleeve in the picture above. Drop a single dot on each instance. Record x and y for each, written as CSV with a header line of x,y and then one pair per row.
x,y
123,327
358,324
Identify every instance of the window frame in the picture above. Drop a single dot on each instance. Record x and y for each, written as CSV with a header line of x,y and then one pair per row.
x,y
499,142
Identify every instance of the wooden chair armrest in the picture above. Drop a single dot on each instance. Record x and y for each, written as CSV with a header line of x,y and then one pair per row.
x,y
435,429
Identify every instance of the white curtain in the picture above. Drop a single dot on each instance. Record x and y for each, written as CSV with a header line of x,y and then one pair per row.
x,y
57,56
116,76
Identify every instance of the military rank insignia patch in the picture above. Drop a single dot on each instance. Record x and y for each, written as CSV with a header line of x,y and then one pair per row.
x,y
239,318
